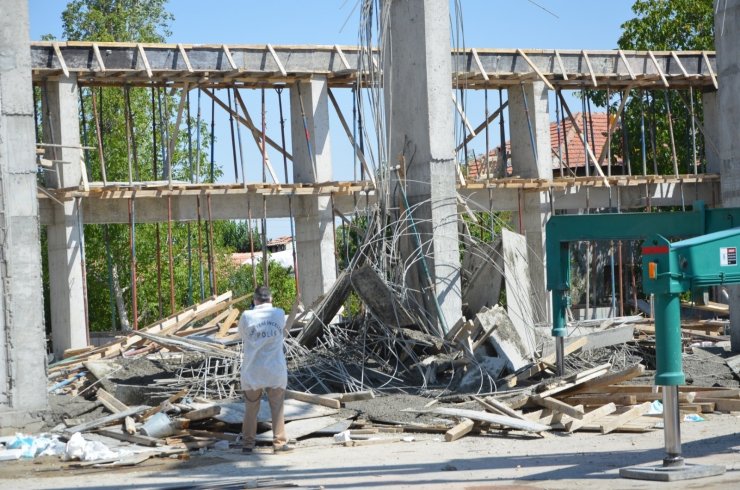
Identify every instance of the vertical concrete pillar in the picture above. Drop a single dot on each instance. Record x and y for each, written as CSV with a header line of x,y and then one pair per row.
x,y
419,118
529,122
313,215
727,21
60,114
22,349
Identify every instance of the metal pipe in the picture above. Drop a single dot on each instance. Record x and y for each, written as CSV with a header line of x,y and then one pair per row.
x,y
560,355
671,428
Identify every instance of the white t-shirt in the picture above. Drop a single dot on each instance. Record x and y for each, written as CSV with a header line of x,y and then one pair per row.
x,y
263,364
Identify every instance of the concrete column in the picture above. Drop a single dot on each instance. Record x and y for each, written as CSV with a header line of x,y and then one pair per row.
x,y
727,21
710,101
528,123
60,114
22,349
313,215
419,118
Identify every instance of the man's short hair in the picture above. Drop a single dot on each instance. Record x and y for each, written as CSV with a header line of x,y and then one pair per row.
x,y
262,294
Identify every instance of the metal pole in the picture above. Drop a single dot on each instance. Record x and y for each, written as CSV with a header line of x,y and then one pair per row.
x,y
671,428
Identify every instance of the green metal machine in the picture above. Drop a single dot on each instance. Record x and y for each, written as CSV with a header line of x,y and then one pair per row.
x,y
669,269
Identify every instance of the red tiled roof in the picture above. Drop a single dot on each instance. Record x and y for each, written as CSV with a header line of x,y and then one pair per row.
x,y
281,240
576,155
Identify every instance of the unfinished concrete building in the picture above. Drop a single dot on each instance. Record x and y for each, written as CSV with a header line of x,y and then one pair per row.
x,y
416,175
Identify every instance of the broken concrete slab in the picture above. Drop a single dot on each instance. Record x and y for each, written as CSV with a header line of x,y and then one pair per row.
x,y
381,301
483,288
520,300
510,343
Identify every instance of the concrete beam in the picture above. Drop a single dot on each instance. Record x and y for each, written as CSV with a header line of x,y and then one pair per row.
x,y
255,66
113,208
60,116
22,349
314,216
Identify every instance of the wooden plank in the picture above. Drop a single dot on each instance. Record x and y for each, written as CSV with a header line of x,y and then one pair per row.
x,y
132,438
538,367
479,64
227,323
592,400
148,68
590,68
106,420
185,58
611,379
657,67
174,398
211,325
229,58
729,393
588,417
626,64
311,398
625,417
342,58
62,63
536,70
110,402
558,406
98,57
76,352
724,404
458,431
567,386
129,425
487,417
277,60
351,397
502,407
203,413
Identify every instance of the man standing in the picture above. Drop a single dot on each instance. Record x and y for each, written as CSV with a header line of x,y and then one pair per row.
x,y
263,368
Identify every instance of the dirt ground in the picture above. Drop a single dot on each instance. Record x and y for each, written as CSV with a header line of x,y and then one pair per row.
x,y
495,461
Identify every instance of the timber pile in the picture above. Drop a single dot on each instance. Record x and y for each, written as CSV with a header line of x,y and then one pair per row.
x,y
181,332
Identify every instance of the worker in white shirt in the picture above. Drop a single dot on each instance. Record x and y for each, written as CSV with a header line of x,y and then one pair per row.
x,y
263,368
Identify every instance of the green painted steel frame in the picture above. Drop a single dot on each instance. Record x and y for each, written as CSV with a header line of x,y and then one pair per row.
x,y
563,229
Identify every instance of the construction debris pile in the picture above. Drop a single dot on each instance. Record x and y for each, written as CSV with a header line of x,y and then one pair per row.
x,y
173,387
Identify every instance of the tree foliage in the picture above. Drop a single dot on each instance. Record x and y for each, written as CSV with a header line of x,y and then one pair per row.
x,y
644,141
141,21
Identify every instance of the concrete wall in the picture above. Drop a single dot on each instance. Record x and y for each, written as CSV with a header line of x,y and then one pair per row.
x,y
313,215
727,43
22,349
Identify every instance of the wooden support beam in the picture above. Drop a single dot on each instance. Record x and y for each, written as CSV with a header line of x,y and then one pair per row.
x,y
580,135
144,60
311,398
611,379
625,417
657,67
229,58
277,60
479,64
110,402
680,65
62,63
536,70
625,95
227,323
590,68
558,406
482,126
626,64
185,58
203,413
562,66
98,57
462,114
711,71
458,431
574,425
176,131
343,58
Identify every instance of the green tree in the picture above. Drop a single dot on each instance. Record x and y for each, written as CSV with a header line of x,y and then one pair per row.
x,y
138,153
236,236
661,25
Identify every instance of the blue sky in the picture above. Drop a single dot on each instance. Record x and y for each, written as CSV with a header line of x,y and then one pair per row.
x,y
580,24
